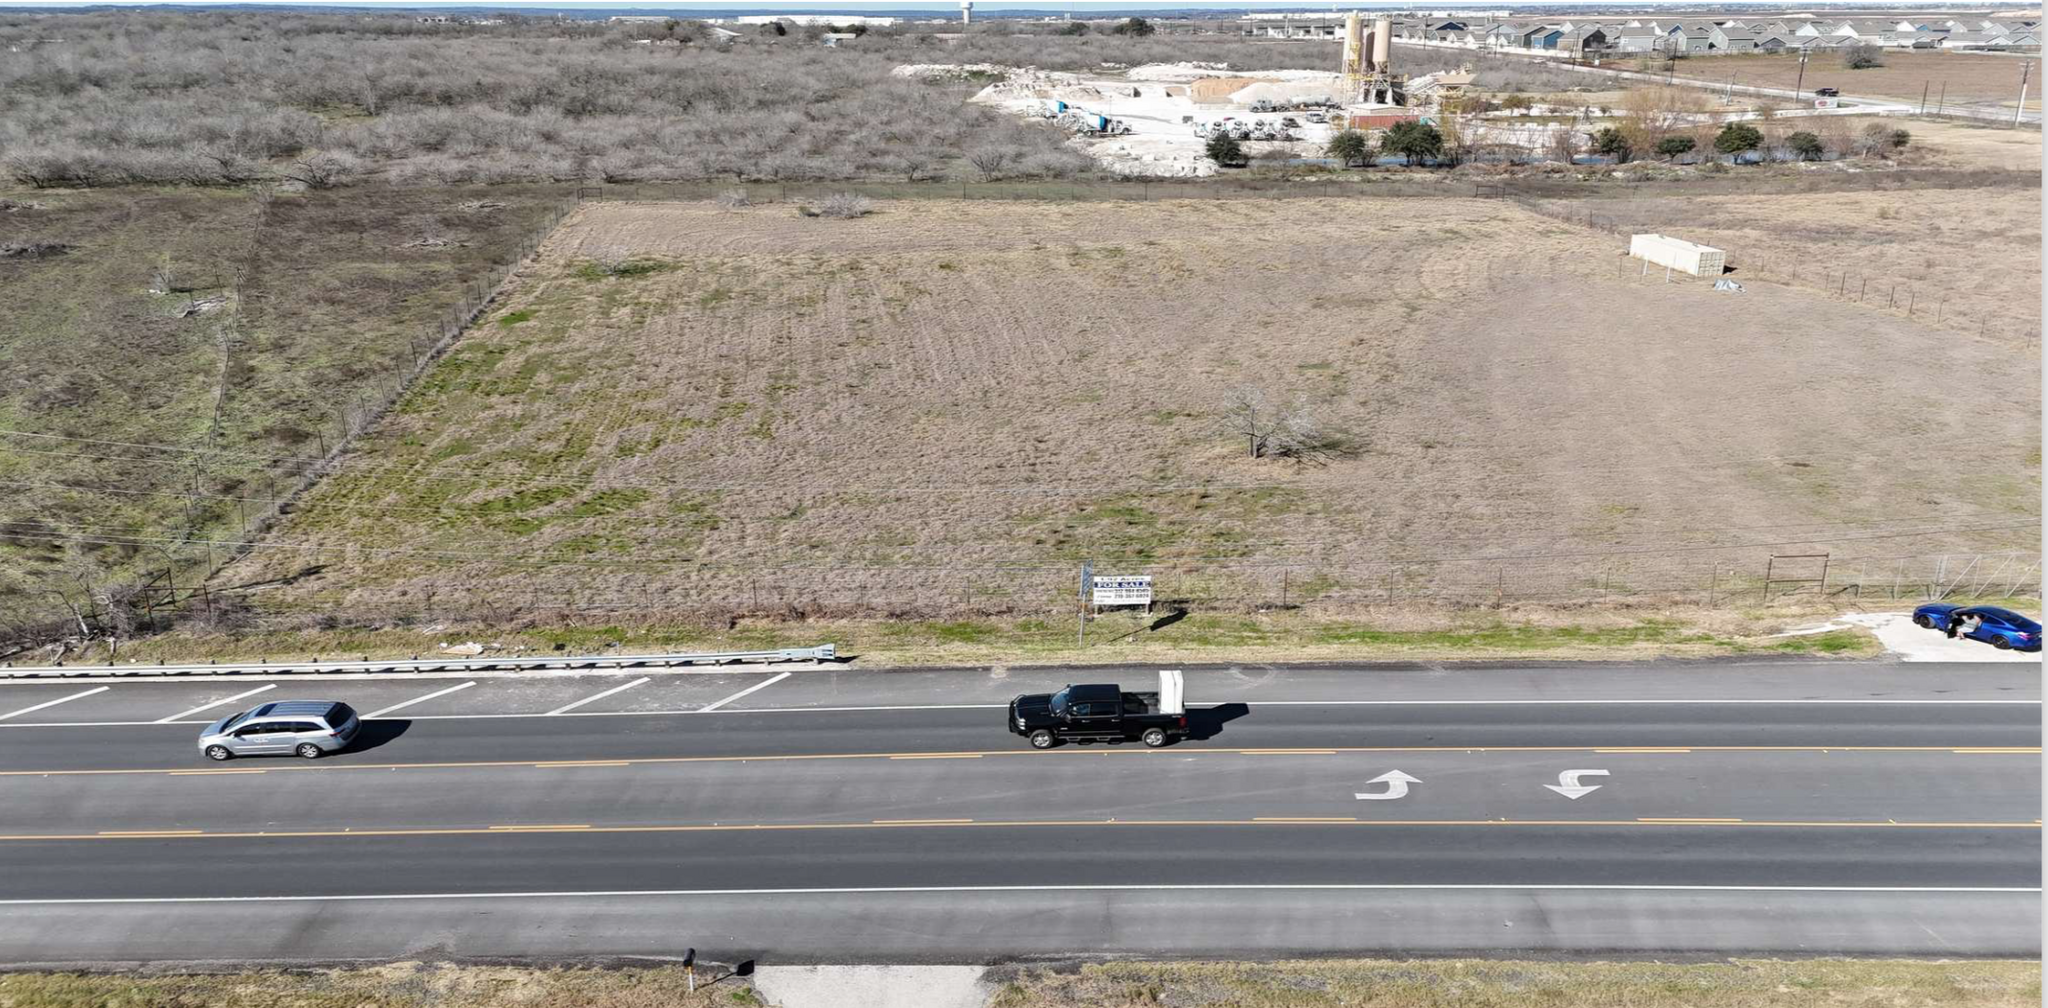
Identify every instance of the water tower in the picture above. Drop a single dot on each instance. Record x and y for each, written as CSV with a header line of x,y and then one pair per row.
x,y
966,11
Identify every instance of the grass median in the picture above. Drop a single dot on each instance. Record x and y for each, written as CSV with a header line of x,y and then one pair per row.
x,y
1468,983
1446,983
1112,638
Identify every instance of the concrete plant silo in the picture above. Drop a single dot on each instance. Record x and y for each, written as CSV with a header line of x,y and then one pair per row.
x,y
1354,48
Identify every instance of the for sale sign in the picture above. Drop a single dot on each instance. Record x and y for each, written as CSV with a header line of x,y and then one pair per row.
x,y
1122,591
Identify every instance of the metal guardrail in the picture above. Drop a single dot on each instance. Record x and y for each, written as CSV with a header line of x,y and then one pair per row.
x,y
823,652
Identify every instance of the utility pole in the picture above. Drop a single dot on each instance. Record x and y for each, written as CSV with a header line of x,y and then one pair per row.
x,y
1924,85
2026,70
1941,102
1799,88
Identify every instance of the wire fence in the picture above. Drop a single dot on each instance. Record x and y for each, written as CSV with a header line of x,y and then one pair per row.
x,y
1750,581
1930,303
255,515
640,593
1477,181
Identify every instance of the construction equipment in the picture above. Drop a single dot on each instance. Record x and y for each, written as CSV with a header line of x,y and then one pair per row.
x,y
1093,124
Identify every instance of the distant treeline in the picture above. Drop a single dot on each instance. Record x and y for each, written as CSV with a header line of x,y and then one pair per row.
x,y
226,98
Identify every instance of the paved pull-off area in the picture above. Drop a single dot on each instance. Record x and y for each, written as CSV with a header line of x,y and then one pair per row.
x,y
817,816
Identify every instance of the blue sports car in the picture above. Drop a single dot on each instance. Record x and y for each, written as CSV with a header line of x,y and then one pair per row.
x,y
2001,628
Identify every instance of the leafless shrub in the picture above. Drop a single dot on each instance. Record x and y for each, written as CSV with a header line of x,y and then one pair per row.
x,y
733,199
1296,430
845,206
1563,145
32,250
1874,141
989,161
323,171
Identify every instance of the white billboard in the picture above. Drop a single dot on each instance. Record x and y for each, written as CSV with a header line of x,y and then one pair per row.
x,y
1113,591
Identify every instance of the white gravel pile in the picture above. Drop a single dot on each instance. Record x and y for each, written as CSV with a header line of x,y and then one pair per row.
x,y
922,70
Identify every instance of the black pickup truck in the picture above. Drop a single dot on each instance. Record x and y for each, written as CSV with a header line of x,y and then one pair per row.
x,y
1100,712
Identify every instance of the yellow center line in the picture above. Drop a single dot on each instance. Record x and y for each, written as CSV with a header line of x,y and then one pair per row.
x,y
581,763
1988,749
1015,824
337,767
1697,819
199,773
1310,819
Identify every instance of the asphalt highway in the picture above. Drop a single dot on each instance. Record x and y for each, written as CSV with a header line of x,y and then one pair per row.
x,y
1796,809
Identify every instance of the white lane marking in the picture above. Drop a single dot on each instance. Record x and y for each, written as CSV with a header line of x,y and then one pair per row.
x,y
1568,783
1397,786
744,692
53,703
407,703
530,673
1002,706
566,708
1532,703
209,706
1132,887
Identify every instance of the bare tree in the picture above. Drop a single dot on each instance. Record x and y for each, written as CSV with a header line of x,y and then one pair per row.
x,y
989,161
1295,431
322,171
1564,145
1250,413
1650,114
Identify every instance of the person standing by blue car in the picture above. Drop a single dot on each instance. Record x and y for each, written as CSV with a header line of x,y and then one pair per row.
x,y
2001,628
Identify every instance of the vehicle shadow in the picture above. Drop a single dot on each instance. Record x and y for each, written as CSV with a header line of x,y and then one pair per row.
x,y
378,732
1207,722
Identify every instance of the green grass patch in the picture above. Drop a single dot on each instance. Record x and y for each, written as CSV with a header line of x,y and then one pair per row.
x,y
640,266
513,318
336,302
605,502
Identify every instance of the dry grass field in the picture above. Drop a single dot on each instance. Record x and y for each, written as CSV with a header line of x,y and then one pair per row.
x,y
1974,145
1436,983
1968,261
1969,77
1746,983
948,406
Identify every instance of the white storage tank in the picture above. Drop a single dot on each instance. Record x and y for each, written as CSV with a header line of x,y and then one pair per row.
x,y
1678,254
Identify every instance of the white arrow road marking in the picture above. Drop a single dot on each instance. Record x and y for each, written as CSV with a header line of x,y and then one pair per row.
x,y
1568,783
1397,786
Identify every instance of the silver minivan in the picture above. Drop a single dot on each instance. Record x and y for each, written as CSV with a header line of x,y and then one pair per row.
x,y
308,728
